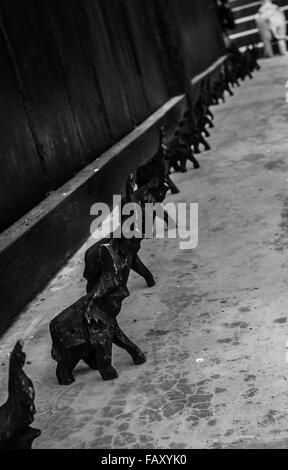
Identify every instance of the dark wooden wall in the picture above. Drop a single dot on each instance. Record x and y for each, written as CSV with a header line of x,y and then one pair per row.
x,y
78,75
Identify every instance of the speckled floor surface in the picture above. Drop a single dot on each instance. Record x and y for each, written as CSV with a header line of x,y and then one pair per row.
x,y
215,327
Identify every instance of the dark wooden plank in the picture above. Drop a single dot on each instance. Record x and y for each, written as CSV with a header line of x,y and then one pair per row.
x,y
111,86
21,180
45,92
200,33
149,67
66,27
124,60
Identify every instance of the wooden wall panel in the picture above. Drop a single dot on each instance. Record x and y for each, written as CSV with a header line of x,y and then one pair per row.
x,y
79,75
21,179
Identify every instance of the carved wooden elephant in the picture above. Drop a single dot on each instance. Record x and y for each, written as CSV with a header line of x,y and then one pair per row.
x,y
129,248
75,338
178,153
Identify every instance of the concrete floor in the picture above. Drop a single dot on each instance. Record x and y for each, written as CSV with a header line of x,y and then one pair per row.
x,y
226,303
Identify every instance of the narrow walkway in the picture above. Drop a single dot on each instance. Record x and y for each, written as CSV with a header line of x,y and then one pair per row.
x,y
226,304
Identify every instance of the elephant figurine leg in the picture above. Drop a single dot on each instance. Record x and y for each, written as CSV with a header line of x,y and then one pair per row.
x,y
176,167
64,371
172,186
140,268
108,373
196,148
206,132
123,342
91,361
195,162
103,357
205,144
183,167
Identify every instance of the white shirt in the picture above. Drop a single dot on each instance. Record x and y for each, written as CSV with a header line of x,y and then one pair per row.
x,y
274,17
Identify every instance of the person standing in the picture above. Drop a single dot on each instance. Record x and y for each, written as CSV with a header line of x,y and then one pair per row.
x,y
271,22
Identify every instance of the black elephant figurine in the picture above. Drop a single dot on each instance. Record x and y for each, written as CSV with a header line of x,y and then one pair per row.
x,y
88,329
191,133
156,172
17,414
178,153
127,247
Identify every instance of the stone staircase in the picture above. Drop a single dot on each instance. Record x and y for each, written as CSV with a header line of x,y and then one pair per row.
x,y
244,12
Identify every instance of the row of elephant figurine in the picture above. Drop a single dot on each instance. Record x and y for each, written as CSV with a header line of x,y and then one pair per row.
x,y
88,329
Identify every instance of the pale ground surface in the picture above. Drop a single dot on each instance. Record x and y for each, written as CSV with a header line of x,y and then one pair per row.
x,y
225,303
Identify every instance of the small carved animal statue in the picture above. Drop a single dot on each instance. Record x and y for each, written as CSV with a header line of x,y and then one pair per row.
x,y
191,133
207,99
157,170
239,63
88,329
17,414
220,86
178,153
127,247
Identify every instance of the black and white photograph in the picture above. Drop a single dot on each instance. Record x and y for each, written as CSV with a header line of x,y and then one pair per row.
x,y
143,227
